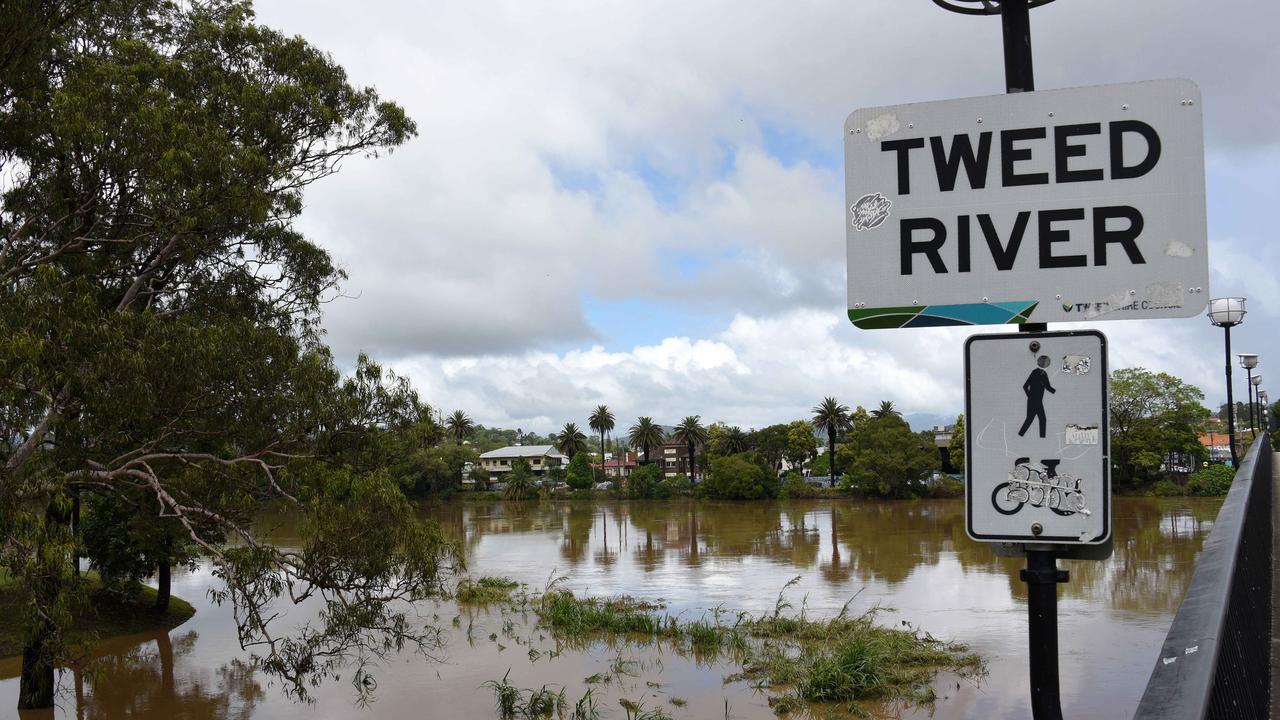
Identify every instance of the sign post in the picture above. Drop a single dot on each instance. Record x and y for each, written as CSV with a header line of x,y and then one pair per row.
x,y
1029,208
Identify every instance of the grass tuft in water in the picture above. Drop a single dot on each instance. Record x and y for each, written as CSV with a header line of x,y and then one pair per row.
x,y
485,590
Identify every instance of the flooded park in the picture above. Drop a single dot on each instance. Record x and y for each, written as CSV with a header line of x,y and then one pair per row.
x,y
698,560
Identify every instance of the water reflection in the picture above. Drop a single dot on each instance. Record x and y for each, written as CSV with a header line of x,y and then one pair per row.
x,y
914,557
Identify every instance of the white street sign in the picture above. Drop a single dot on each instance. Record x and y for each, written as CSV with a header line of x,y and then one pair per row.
x,y
1051,206
1037,448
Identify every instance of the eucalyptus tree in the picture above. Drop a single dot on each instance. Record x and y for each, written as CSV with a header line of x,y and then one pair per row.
x,y
832,417
159,334
646,434
459,426
601,421
571,440
690,432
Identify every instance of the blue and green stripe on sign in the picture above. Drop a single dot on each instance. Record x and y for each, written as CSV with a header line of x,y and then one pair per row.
x,y
998,313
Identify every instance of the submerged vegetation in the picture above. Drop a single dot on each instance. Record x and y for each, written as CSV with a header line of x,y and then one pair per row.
x,y
487,589
802,663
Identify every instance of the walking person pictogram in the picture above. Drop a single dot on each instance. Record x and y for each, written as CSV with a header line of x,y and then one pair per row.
x,y
1037,382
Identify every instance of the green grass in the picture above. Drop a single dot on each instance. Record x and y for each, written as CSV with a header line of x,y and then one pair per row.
x,y
799,661
109,614
485,590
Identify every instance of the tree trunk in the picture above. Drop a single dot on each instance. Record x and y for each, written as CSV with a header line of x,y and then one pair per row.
x,y
163,583
35,690
831,456
75,528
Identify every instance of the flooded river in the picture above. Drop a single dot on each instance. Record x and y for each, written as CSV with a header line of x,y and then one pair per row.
x,y
912,559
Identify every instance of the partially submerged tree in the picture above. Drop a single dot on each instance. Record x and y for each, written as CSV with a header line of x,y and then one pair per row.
x,y
158,330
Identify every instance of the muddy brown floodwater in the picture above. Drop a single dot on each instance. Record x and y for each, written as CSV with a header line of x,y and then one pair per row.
x,y
912,558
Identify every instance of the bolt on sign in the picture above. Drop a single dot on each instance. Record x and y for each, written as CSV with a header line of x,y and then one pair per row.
x,y
1038,451
1050,206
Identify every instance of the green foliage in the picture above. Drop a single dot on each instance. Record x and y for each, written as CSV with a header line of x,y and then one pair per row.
x,y
884,458
519,481
956,447
691,432
740,477
676,485
945,487
159,334
832,418
1213,480
645,482
1153,415
487,589
801,444
1167,488
578,475
646,435
794,486
435,471
571,440
771,442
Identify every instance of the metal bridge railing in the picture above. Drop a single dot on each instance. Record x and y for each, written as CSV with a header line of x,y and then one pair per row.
x,y
1216,659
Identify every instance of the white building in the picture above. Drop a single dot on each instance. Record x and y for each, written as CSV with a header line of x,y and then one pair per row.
x,y
539,457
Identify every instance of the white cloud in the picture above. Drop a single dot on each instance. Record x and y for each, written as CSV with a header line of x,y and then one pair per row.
x,y
471,248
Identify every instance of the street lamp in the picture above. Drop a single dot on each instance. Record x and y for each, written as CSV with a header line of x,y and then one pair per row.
x,y
1226,313
1249,361
1254,382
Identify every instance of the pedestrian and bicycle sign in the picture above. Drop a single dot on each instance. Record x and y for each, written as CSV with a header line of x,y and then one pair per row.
x,y
1038,448
1051,206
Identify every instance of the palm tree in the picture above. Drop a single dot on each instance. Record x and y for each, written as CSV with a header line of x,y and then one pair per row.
x,y
460,426
885,410
571,441
602,422
691,433
736,441
646,434
833,417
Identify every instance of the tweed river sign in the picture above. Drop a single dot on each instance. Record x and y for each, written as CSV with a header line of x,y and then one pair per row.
x,y
1050,206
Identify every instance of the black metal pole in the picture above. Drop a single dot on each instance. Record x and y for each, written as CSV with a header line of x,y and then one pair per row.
x,y
1015,18
1249,389
1231,403
1041,574
1042,577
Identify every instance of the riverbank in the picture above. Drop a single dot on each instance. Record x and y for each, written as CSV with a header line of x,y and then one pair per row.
x,y
109,615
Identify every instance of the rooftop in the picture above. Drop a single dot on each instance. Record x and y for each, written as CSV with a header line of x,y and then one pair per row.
x,y
514,451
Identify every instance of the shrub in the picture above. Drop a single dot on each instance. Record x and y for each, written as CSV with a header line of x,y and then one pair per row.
x,y
644,483
1213,480
946,487
794,486
676,486
737,477
579,473
1167,488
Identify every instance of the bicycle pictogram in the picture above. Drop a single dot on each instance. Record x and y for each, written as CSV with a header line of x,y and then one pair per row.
x,y
1039,485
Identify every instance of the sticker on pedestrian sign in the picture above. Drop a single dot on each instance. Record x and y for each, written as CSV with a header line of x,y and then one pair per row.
x,y
1036,443
1051,206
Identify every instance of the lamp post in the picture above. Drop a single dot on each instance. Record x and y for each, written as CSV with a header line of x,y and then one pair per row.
x,y
1249,361
1226,313
1254,382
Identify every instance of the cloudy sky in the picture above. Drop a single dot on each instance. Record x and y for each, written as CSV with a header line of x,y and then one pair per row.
x,y
641,203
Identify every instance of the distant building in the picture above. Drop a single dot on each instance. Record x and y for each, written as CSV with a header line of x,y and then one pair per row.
x,y
1218,445
539,457
673,458
619,467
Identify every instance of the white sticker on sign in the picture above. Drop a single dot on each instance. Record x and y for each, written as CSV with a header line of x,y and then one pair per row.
x,y
1082,435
